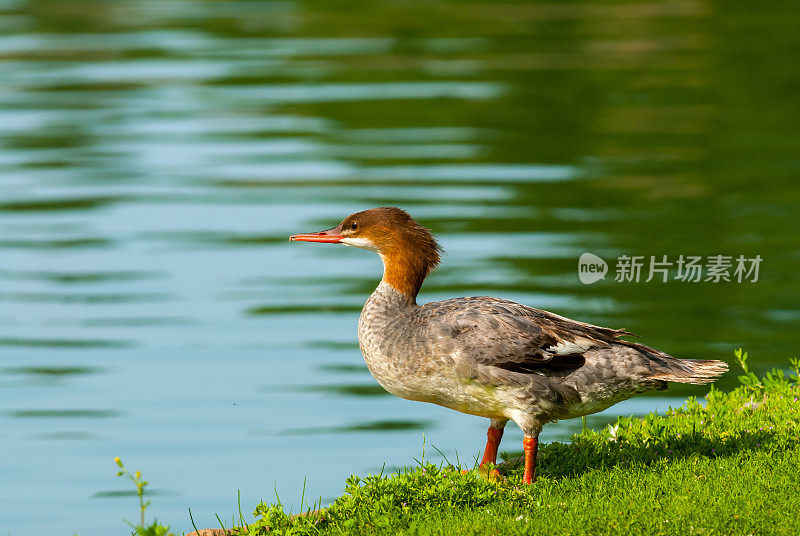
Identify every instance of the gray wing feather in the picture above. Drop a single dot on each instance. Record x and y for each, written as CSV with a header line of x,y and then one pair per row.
x,y
514,337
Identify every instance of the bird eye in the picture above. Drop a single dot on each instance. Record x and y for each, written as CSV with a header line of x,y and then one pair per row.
x,y
353,226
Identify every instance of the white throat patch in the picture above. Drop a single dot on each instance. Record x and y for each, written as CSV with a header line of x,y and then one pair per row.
x,y
359,242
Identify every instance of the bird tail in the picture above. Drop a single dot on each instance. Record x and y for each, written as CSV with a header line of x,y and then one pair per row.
x,y
694,371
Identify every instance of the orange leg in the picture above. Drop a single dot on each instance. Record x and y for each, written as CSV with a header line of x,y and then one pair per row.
x,y
531,446
493,437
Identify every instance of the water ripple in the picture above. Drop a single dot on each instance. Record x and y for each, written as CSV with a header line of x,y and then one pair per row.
x,y
299,93
63,413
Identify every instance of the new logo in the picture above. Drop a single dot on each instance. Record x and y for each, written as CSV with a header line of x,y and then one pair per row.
x,y
591,268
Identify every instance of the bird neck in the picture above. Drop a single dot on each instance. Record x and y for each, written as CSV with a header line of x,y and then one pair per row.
x,y
383,307
404,272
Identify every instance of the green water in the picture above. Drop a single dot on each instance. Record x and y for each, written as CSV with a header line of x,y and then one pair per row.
x,y
155,156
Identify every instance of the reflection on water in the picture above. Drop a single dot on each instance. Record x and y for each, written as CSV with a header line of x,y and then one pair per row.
x,y
371,426
348,389
51,372
62,413
65,435
155,156
43,375
130,493
61,343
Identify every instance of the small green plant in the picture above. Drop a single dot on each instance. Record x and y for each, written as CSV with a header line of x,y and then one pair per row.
x,y
155,528
773,380
795,362
748,379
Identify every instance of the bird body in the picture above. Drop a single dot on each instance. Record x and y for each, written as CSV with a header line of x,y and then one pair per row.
x,y
487,356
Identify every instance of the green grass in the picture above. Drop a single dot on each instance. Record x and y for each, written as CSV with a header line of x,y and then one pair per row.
x,y
731,466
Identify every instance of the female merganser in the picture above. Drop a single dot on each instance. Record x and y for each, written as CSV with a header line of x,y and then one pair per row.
x,y
488,356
